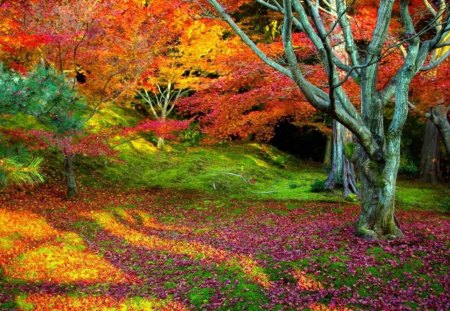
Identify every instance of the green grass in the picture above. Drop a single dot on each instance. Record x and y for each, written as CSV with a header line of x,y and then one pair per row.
x,y
414,194
237,171
243,171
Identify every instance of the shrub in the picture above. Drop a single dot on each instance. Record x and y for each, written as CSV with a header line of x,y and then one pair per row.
x,y
318,186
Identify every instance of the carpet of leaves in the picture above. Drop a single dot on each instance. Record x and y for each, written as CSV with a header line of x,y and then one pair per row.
x,y
165,250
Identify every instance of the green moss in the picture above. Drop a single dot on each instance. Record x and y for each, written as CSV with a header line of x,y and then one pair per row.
x,y
379,253
349,149
237,171
113,115
413,194
22,304
200,296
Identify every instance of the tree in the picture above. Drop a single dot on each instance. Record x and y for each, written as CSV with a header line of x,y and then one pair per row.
x,y
234,92
377,151
161,104
242,103
16,166
47,96
429,95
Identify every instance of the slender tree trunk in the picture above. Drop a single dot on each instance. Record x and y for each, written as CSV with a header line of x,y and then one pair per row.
x,y
430,170
70,176
377,219
438,115
161,143
327,155
342,172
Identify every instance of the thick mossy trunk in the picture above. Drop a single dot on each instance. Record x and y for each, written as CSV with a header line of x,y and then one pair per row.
x,y
70,176
378,182
342,172
430,157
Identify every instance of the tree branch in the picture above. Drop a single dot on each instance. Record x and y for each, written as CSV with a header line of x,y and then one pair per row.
x,y
218,7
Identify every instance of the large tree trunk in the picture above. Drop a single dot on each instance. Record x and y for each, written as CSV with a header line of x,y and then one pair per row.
x,y
377,219
70,176
342,172
430,170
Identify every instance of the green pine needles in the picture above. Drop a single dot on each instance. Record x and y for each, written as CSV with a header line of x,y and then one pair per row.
x,y
46,95
14,171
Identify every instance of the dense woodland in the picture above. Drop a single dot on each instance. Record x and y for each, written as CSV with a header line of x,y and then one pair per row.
x,y
224,155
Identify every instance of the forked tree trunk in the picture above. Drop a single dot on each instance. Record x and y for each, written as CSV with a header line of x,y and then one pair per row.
x,y
377,219
430,170
342,172
70,176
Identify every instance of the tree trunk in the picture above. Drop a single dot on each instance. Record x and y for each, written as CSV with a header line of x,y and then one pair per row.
x,y
377,219
70,176
438,115
327,155
342,172
430,170
161,143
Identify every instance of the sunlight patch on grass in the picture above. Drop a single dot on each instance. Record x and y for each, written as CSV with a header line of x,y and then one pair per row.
x,y
26,224
194,250
45,302
150,222
65,260
322,307
306,282
18,230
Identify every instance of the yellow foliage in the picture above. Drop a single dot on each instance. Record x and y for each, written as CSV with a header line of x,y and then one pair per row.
x,y
440,52
143,146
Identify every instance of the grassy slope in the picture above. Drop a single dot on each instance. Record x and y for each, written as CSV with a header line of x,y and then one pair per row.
x,y
247,171
242,171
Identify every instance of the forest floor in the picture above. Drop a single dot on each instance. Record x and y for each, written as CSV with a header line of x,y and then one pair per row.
x,y
165,249
233,227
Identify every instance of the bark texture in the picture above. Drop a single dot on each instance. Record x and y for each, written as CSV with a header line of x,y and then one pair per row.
x,y
342,172
377,218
